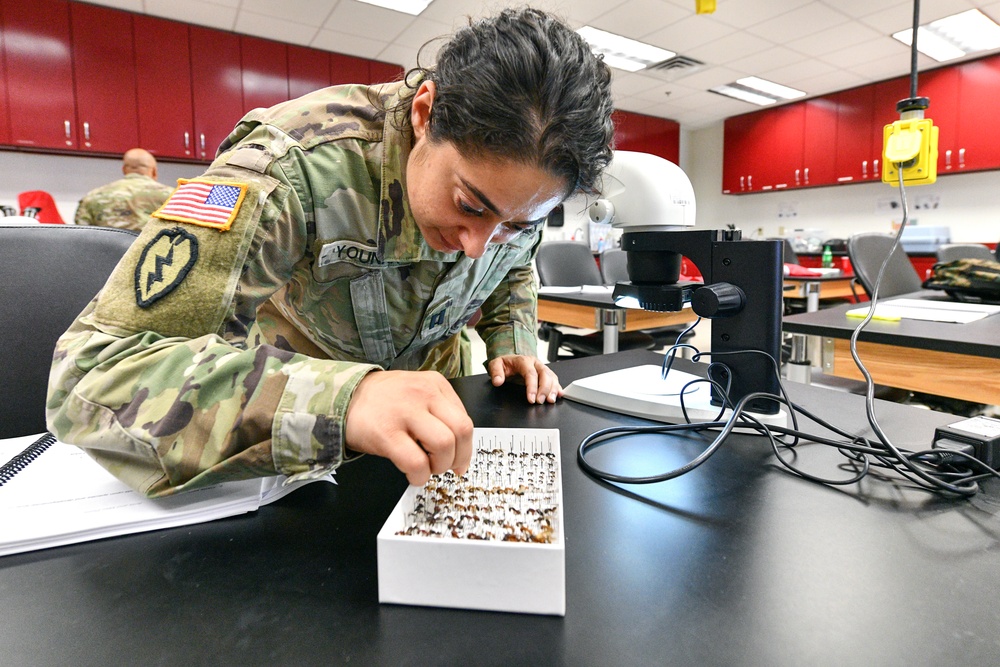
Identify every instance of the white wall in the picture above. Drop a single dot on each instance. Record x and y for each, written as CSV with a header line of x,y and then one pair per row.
x,y
967,203
68,178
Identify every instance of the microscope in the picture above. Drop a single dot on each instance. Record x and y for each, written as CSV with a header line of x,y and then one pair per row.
x,y
651,199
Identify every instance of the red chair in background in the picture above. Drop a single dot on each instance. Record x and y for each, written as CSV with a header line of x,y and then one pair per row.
x,y
38,204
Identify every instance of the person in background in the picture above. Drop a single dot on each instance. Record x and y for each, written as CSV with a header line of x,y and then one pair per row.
x,y
128,202
302,302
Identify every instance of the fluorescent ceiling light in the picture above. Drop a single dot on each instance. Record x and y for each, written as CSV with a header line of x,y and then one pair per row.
x,y
413,7
758,91
770,88
622,52
954,36
740,93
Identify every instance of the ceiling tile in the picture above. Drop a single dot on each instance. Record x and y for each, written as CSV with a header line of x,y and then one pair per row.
x,y
638,18
363,20
732,49
833,39
274,28
806,20
745,13
194,11
689,33
305,12
339,42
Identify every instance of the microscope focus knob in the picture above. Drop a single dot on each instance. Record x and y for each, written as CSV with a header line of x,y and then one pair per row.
x,y
718,300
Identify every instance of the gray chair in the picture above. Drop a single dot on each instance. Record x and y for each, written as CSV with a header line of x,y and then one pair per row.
x,y
571,264
949,252
868,251
48,274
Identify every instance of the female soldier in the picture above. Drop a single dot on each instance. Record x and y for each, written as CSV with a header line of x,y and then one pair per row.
x,y
306,295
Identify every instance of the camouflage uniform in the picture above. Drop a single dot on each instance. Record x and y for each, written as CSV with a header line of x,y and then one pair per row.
x,y
125,203
182,373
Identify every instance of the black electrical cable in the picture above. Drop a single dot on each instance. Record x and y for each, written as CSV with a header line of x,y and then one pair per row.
x,y
913,49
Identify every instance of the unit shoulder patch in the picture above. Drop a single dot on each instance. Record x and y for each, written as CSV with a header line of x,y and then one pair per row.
x,y
163,265
205,203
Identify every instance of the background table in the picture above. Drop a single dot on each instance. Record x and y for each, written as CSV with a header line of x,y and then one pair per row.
x,y
598,311
956,360
736,563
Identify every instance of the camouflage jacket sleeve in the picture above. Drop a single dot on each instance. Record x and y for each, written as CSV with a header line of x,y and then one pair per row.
x,y
165,379
83,216
510,319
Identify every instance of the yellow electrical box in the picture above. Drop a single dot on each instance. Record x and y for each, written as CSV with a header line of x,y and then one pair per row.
x,y
910,145
704,6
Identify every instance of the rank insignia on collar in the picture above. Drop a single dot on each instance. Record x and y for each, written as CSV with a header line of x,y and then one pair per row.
x,y
204,203
163,264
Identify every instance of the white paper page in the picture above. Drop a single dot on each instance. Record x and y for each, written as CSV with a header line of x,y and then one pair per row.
x,y
64,496
955,306
891,310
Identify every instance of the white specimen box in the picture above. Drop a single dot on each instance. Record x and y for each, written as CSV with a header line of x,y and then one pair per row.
x,y
495,575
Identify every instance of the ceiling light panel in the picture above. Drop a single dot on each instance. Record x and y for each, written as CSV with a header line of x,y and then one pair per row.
x,y
413,7
622,52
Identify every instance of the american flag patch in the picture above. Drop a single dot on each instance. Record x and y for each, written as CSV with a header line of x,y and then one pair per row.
x,y
204,203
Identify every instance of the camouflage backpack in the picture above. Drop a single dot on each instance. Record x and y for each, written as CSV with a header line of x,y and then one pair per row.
x,y
967,279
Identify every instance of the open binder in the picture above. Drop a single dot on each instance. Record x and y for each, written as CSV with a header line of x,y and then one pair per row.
x,y
53,494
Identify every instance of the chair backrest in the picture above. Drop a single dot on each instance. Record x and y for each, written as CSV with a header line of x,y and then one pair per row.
x,y
868,251
949,252
48,274
566,264
614,266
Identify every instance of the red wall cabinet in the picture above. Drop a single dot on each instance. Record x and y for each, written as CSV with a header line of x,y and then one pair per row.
x,y
217,87
763,151
308,70
104,79
379,72
978,137
647,134
819,143
4,104
854,160
39,73
265,72
163,87
348,69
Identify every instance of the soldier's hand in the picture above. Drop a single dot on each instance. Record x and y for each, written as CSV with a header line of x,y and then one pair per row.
x,y
540,381
413,418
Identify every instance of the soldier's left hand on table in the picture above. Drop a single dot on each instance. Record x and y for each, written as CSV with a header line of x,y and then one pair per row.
x,y
541,383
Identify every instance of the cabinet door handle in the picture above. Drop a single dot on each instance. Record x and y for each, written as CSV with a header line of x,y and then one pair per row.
x,y
807,175
750,182
743,185
947,159
187,142
864,169
875,171
68,128
797,176
961,158
86,130
203,144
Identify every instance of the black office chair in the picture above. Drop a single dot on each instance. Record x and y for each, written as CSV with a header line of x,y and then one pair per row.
x,y
868,251
48,274
571,264
949,252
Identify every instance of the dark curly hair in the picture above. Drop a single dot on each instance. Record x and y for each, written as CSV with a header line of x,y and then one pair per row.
x,y
522,86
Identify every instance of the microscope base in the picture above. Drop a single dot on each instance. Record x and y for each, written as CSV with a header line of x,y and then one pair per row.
x,y
641,392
